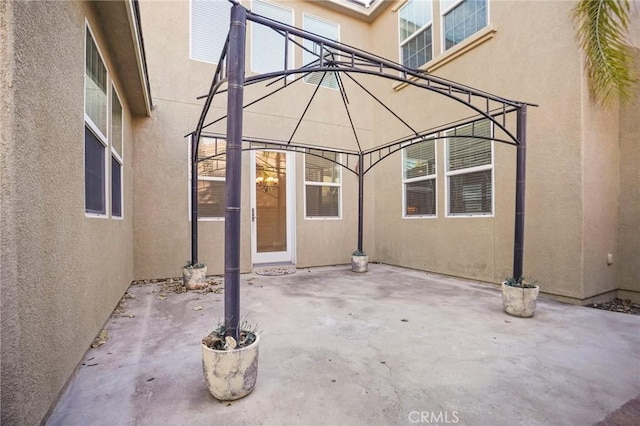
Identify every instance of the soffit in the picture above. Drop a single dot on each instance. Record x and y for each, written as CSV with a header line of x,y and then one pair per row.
x,y
124,43
355,8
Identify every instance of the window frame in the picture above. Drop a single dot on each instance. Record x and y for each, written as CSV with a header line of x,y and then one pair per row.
x,y
290,50
322,184
415,34
93,128
202,178
433,176
119,157
444,12
469,170
338,29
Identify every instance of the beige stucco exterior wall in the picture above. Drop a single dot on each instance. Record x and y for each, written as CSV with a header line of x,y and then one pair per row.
x,y
161,221
529,58
628,256
528,52
62,272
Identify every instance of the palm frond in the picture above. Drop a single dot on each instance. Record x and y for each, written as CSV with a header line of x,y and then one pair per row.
x,y
601,28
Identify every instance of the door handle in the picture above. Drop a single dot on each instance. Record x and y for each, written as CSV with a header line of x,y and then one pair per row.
x,y
253,214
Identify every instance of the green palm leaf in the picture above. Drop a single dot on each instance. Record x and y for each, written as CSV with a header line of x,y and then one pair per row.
x,y
602,26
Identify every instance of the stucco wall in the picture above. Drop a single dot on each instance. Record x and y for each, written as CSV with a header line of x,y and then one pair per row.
x,y
628,258
529,53
600,170
531,57
62,272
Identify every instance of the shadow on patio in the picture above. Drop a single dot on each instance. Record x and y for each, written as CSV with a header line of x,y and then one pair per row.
x,y
392,346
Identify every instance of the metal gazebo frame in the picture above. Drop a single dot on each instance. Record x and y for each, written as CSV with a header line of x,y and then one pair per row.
x,y
341,59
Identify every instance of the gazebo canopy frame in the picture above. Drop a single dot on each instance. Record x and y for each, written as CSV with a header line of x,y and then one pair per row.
x,y
341,59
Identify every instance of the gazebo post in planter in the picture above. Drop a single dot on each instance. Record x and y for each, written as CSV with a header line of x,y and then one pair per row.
x,y
518,296
233,184
359,259
230,355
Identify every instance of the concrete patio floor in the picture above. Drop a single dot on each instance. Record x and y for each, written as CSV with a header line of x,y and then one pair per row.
x,y
391,346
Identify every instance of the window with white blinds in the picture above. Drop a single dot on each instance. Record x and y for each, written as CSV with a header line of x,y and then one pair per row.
x,y
267,45
322,182
211,178
95,86
326,29
470,170
419,179
209,28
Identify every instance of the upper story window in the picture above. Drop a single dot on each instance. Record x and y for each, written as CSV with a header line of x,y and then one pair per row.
x,y
470,170
95,139
211,178
419,179
327,29
461,19
416,33
322,183
267,46
209,28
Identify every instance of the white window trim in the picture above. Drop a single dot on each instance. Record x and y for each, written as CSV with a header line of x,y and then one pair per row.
x,y
314,183
209,178
338,41
415,34
470,170
94,128
476,34
433,176
444,11
118,156
114,153
291,49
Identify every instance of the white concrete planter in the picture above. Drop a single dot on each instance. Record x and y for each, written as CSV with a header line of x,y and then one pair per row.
x,y
359,263
519,302
231,374
194,278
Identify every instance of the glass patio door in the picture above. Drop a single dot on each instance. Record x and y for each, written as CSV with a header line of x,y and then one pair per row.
x,y
272,207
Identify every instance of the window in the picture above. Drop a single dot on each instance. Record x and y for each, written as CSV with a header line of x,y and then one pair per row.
x,y
419,179
328,30
95,117
322,182
116,188
415,33
470,170
267,45
462,18
211,178
116,155
209,27
94,173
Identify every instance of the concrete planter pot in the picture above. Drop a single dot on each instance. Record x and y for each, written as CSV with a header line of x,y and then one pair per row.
x,y
194,278
231,374
518,301
359,263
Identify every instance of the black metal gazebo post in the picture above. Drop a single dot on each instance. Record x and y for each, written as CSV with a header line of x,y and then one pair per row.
x,y
233,185
521,167
360,201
